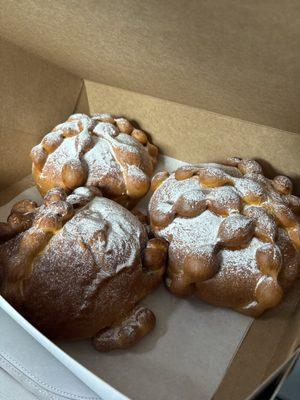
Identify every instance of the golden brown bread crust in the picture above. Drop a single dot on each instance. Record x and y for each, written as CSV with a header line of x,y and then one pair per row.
x,y
234,235
77,268
101,151
20,219
132,328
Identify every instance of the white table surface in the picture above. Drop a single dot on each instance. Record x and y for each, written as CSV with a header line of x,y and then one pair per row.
x,y
10,389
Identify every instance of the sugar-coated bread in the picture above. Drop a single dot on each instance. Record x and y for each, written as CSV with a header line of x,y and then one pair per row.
x,y
103,151
234,235
78,265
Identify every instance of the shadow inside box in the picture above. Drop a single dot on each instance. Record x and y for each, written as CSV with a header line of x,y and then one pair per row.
x,y
192,339
270,171
282,311
162,303
210,314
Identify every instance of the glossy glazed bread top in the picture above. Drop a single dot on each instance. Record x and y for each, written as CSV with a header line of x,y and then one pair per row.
x,y
76,274
102,151
234,234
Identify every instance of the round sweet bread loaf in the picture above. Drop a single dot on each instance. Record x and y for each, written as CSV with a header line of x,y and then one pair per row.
x,y
78,267
101,151
234,235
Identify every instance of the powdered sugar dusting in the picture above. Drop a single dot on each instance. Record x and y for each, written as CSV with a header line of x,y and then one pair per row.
x,y
235,224
70,127
265,223
168,194
102,164
226,168
137,148
246,186
193,232
106,130
195,235
56,160
226,197
191,235
104,151
240,261
136,172
82,191
103,234
200,234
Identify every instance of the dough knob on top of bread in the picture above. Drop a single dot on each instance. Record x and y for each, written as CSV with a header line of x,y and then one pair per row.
x,y
233,234
78,265
102,151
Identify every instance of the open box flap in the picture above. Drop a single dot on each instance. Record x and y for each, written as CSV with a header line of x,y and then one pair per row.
x,y
232,57
34,96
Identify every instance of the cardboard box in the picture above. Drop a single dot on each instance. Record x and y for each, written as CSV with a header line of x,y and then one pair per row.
x,y
207,79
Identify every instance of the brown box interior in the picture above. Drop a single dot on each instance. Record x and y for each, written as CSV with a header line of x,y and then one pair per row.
x,y
235,59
